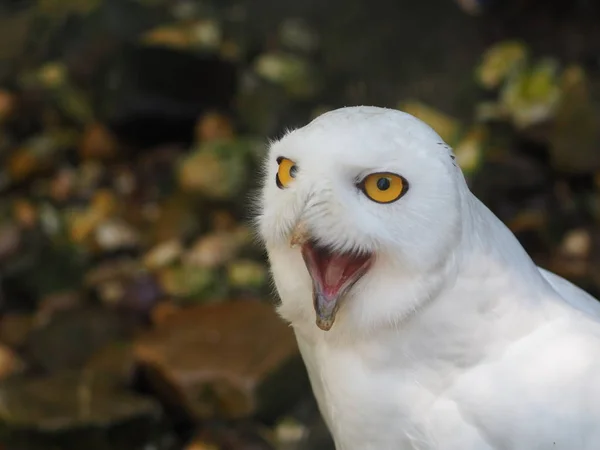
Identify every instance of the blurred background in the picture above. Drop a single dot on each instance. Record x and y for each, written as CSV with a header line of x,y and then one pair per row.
x,y
135,306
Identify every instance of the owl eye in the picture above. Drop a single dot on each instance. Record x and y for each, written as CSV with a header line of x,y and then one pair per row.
x,y
286,172
384,187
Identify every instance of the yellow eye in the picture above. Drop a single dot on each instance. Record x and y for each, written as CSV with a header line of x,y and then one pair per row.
x,y
384,187
286,173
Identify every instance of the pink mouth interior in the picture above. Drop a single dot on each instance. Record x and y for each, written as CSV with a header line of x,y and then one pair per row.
x,y
333,272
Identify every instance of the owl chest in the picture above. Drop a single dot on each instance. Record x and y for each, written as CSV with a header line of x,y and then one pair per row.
x,y
364,408
380,402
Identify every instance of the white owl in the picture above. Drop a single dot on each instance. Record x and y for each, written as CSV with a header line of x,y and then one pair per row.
x,y
422,321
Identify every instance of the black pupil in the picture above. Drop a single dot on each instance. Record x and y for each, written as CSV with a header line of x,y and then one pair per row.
x,y
293,171
383,184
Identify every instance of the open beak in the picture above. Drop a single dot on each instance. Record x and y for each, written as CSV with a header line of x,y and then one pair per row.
x,y
333,275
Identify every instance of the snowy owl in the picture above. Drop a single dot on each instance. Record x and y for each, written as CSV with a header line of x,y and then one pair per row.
x,y
422,321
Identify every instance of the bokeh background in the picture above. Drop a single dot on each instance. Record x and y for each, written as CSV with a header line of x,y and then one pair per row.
x,y
135,305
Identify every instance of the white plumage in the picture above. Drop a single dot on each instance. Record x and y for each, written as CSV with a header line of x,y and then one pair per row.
x,y
450,337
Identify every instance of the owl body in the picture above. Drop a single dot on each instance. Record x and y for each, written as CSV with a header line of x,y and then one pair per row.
x,y
422,321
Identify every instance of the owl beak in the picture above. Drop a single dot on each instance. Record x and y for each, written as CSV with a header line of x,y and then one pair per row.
x,y
333,275
300,235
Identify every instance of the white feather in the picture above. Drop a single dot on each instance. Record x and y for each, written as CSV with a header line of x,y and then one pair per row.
x,y
454,339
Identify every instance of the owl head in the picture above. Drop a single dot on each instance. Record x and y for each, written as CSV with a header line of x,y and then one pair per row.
x,y
360,213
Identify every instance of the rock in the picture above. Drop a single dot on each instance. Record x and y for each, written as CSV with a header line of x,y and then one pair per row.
x,y
289,433
82,224
38,154
576,125
214,249
531,95
241,436
25,213
111,292
75,410
576,243
529,220
15,329
50,75
475,7
499,62
10,363
68,340
56,9
163,254
246,273
262,105
198,444
50,220
115,270
10,240
8,103
115,363
105,203
470,148
227,360
142,293
175,219
193,35
186,281
22,164
163,311
115,234
125,284
167,36
223,220
98,142
575,269
527,180
218,170
317,438
213,126
89,177
62,185
153,180
296,34
293,73
125,181
55,303
17,23
34,272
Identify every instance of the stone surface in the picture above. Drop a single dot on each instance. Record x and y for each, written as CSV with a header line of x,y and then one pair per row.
x,y
213,126
15,328
228,360
162,311
98,142
289,433
10,238
68,340
317,438
163,254
218,170
115,363
73,411
55,303
10,363
238,436
216,248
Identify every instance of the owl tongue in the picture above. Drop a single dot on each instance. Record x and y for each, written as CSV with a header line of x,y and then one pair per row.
x,y
333,275
335,270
